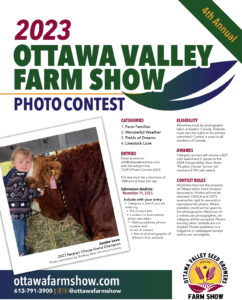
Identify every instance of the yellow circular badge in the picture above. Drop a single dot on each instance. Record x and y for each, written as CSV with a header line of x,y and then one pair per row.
x,y
205,271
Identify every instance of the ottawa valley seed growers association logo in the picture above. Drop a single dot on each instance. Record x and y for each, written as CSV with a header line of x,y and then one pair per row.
x,y
206,275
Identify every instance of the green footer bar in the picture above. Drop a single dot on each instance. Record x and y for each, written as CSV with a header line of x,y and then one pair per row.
x,y
79,284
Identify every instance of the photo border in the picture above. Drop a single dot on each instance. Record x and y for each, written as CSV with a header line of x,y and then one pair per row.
x,y
73,253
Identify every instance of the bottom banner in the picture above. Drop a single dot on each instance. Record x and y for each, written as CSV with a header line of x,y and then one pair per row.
x,y
118,284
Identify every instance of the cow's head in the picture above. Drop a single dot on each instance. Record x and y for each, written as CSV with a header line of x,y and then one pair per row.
x,y
51,204
43,169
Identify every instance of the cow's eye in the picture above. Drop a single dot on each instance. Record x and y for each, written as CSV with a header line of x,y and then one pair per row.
x,y
47,170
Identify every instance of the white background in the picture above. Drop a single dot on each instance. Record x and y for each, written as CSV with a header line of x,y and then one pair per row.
x,y
142,22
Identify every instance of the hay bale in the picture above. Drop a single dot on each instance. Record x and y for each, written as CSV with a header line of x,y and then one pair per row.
x,y
45,234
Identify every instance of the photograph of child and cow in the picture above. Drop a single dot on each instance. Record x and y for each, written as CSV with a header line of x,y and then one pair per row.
x,y
76,205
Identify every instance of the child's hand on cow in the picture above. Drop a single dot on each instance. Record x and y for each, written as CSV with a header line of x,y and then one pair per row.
x,y
42,193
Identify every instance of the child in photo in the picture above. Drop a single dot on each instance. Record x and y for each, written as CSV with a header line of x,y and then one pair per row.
x,y
19,195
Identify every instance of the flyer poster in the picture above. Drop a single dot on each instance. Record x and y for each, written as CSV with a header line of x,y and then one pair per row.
x,y
120,149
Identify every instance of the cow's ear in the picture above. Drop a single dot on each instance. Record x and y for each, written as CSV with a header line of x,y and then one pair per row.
x,y
31,182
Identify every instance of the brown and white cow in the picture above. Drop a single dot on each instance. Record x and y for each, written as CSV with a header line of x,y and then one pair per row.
x,y
80,173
